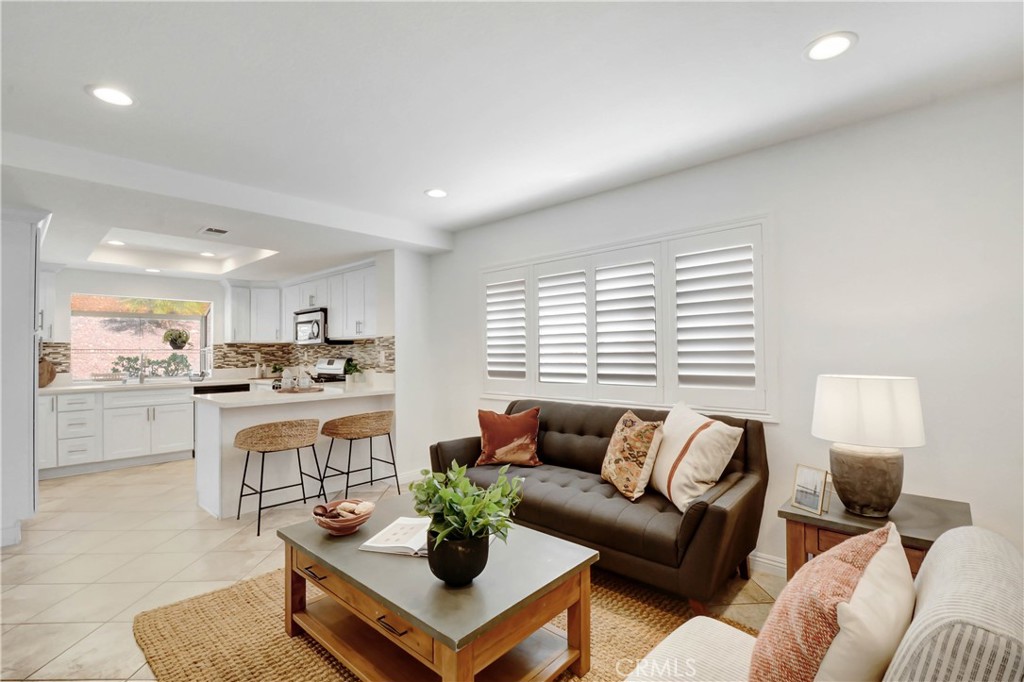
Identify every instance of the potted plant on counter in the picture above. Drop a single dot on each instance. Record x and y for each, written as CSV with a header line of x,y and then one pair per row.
x,y
463,517
177,338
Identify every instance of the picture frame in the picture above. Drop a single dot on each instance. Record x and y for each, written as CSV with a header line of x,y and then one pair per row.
x,y
809,488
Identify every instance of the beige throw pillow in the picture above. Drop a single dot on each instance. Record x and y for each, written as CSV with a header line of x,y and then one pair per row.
x,y
631,454
693,454
842,616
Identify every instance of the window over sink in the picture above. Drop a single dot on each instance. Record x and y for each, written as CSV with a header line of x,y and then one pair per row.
x,y
125,336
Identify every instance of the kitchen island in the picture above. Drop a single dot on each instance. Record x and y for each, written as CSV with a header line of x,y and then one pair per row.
x,y
218,417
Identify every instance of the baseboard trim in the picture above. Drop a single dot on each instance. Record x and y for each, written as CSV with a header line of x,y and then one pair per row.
x,y
768,563
11,535
112,464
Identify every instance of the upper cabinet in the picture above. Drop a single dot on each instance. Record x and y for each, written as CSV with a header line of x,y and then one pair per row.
x,y
291,300
313,294
255,315
353,309
47,294
240,303
265,315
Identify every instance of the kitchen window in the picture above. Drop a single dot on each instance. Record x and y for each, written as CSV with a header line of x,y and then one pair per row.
x,y
117,335
677,318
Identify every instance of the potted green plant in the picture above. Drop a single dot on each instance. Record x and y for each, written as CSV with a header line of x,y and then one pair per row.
x,y
177,338
463,517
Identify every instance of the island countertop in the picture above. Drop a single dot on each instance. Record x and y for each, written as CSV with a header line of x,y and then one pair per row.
x,y
265,398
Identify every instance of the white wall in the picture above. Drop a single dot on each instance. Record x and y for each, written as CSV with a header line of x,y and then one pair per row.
x,y
897,250
418,383
71,281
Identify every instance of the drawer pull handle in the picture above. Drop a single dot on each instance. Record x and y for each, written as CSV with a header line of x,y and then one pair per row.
x,y
72,452
389,627
76,423
312,574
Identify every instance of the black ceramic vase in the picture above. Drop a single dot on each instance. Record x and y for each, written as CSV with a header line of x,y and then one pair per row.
x,y
177,345
457,562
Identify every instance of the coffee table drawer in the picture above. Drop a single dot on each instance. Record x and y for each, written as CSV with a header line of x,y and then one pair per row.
x,y
388,623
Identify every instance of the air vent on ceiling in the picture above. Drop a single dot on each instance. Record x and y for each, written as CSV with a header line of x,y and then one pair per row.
x,y
213,230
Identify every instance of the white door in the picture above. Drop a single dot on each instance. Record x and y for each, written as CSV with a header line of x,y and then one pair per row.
x,y
314,294
171,428
291,300
336,327
369,326
265,315
126,432
46,432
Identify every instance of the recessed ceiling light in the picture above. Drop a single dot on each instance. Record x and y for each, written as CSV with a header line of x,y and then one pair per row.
x,y
116,242
436,193
152,270
207,254
831,45
110,95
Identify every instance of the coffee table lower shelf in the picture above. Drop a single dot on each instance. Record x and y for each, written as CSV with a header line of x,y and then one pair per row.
x,y
371,656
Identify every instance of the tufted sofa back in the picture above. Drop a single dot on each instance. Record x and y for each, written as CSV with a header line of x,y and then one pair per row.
x,y
576,436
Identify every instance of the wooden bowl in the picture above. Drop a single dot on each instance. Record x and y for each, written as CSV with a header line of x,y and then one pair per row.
x,y
344,525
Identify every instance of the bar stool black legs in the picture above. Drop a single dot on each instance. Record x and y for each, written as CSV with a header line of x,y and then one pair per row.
x,y
359,427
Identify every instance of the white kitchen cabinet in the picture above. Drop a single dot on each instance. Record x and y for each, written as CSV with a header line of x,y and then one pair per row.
x,y
126,432
47,296
291,300
46,432
265,315
78,451
79,428
140,423
353,311
171,428
238,331
313,294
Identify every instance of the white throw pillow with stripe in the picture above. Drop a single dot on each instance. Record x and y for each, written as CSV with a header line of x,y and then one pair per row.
x,y
693,454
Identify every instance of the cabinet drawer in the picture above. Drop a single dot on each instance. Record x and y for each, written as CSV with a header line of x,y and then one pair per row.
x,y
78,451
388,623
77,424
73,402
144,398
827,539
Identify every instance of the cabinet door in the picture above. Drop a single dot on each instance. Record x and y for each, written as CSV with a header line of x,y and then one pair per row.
x,y
46,432
291,300
78,451
265,315
126,432
239,330
369,325
336,326
314,294
172,427
47,304
355,305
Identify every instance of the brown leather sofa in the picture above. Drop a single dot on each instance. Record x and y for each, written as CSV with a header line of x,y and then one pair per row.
x,y
690,554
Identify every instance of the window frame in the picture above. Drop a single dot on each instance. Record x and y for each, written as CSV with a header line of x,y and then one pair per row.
x,y
662,249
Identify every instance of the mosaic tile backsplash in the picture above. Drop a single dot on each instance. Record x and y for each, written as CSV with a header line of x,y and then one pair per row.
x,y
377,353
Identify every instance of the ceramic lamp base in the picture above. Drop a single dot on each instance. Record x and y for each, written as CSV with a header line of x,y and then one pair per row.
x,y
867,480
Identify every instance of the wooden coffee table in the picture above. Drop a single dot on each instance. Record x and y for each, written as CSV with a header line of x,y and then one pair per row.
x,y
386,617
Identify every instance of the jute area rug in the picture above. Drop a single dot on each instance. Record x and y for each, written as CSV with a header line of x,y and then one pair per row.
x,y
237,634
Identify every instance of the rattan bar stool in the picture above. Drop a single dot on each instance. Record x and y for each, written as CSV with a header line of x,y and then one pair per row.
x,y
357,427
277,437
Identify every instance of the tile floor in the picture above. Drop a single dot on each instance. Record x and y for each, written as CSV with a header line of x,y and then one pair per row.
x,y
107,546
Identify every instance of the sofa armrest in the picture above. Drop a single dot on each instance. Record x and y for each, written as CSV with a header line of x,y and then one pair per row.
x,y
463,451
726,535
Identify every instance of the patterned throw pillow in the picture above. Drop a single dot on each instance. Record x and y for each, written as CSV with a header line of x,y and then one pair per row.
x,y
631,454
509,438
842,616
694,452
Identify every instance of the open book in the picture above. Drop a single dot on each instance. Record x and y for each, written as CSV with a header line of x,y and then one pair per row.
x,y
404,535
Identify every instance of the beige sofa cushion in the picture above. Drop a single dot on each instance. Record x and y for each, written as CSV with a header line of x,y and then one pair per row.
x,y
700,650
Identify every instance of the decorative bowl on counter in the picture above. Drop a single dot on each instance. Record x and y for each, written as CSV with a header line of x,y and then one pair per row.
x,y
337,519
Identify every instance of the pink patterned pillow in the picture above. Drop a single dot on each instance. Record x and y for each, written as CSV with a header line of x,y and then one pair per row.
x,y
842,615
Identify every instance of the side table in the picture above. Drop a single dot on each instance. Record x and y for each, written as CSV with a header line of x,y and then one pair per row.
x,y
920,521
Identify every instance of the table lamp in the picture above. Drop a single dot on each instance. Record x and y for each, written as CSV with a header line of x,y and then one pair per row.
x,y
868,419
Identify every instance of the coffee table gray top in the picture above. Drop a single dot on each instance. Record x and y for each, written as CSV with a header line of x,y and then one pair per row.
x,y
920,520
517,574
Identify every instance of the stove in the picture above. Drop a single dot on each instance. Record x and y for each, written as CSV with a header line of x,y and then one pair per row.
x,y
329,370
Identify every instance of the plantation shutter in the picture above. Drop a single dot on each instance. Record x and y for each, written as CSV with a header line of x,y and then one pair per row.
x,y
626,335
562,328
715,316
506,330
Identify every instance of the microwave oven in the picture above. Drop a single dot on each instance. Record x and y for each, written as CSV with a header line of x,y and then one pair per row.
x,y
311,326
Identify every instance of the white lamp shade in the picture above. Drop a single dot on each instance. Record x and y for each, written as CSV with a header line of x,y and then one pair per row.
x,y
881,412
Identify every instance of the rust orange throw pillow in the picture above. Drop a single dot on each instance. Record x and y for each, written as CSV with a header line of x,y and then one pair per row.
x,y
509,438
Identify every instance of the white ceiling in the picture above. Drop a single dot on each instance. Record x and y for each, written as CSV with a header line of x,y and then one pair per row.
x,y
299,116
